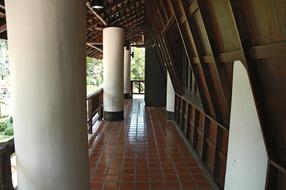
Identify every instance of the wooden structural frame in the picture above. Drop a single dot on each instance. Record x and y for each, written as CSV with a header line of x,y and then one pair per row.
x,y
214,35
94,108
139,84
210,35
128,14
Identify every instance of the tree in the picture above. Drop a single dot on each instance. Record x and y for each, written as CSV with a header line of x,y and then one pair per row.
x,y
94,74
138,64
4,61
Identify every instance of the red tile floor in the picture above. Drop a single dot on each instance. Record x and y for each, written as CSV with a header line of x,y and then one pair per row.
x,y
145,151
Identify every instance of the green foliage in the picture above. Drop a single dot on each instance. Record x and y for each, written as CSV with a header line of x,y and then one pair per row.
x,y
94,70
4,63
9,131
94,74
138,64
11,119
3,126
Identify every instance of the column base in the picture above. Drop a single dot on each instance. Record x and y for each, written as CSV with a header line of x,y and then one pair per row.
x,y
170,115
113,116
127,96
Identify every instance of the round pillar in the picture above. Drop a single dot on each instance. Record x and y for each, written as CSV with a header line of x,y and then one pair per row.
x,y
170,99
127,64
113,58
47,55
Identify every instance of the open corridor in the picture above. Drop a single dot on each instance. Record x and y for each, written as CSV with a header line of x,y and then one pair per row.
x,y
145,151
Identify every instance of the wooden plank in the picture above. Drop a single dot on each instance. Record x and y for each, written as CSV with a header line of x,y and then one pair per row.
x,y
279,165
3,28
268,51
193,7
210,70
208,59
183,19
96,14
221,125
197,70
170,23
196,60
230,56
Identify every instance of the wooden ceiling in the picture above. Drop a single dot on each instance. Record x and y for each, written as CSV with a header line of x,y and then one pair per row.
x,y
129,14
3,28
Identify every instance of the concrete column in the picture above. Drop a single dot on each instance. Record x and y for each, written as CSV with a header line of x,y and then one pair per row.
x,y
127,65
170,99
113,58
47,54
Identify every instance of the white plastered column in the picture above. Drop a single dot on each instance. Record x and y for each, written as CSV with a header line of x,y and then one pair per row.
x,y
127,65
170,98
113,59
47,55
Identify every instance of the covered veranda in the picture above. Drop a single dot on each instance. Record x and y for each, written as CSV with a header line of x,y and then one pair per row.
x,y
213,112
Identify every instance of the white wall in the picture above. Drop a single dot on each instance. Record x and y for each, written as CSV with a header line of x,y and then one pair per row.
x,y
247,157
170,98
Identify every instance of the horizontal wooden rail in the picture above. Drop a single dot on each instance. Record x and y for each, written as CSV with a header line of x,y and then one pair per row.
x,y
139,84
224,127
207,137
94,108
94,113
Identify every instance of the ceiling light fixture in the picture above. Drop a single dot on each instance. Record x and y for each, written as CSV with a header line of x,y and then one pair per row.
x,y
97,4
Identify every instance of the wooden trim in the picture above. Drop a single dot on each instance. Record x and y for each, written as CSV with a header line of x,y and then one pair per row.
x,y
224,127
230,56
268,51
3,28
208,59
193,8
169,24
196,60
279,165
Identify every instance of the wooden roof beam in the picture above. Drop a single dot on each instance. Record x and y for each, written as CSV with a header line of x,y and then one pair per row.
x,y
94,47
96,14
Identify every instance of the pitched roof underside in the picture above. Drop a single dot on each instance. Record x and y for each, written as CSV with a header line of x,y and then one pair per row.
x,y
129,14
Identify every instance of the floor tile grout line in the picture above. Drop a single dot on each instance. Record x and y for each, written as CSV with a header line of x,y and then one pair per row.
x,y
125,150
118,135
187,145
178,178
152,138
158,153
184,161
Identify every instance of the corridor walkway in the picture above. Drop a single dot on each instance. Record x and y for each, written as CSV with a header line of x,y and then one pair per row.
x,y
143,152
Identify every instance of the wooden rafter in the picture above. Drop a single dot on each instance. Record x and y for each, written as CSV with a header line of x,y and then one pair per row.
x,y
96,14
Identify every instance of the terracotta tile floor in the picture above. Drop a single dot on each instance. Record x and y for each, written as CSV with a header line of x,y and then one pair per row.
x,y
143,152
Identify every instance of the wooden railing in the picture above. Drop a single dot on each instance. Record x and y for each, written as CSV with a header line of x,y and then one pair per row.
x,y
6,150
139,85
94,108
207,137
94,113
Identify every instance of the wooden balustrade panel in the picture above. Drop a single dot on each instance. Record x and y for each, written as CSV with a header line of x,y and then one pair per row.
x,y
207,138
213,34
94,107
